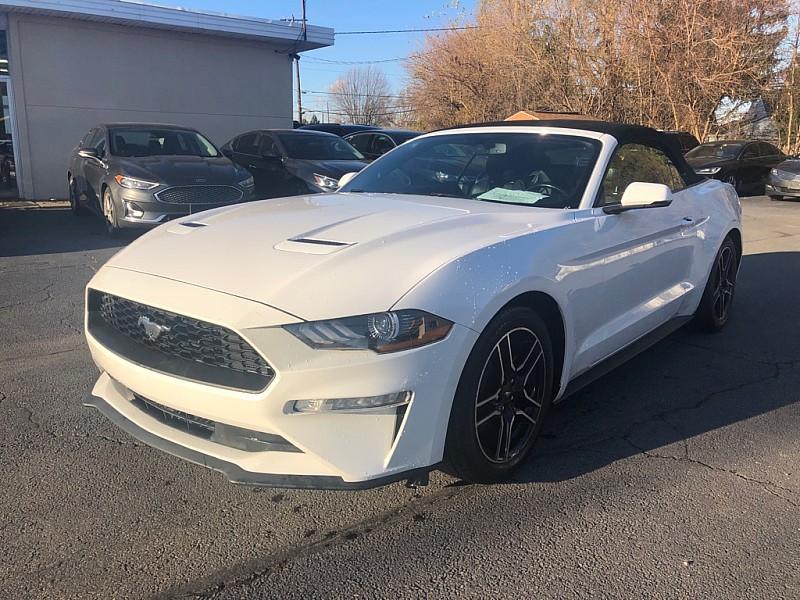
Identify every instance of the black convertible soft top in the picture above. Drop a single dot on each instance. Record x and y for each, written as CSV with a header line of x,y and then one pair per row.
x,y
625,133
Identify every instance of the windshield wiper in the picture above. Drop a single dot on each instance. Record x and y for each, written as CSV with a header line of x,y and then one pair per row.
x,y
443,195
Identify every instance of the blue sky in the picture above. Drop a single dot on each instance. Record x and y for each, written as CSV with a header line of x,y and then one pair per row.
x,y
349,15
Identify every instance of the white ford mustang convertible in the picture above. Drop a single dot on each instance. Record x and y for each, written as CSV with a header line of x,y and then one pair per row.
x,y
424,316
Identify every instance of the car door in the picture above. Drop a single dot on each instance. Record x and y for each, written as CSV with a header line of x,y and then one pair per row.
x,y
78,164
381,144
750,167
771,157
631,272
276,180
245,153
96,169
363,143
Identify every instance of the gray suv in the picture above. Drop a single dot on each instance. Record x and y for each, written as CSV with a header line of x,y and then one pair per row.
x,y
138,175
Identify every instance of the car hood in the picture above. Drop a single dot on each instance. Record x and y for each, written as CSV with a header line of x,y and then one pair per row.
x,y
327,255
705,163
183,170
329,168
790,166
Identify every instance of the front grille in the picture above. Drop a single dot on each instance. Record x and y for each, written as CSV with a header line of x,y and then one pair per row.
x,y
176,344
200,194
219,433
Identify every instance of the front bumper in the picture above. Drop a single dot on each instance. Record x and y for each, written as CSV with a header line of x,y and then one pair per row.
x,y
139,209
777,186
336,451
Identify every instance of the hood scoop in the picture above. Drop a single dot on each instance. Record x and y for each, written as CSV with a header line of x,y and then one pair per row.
x,y
311,245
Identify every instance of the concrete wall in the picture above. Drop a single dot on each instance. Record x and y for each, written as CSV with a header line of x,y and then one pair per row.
x,y
68,76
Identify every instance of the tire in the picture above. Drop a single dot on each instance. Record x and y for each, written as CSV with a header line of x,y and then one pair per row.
x,y
776,198
110,214
478,448
715,305
74,204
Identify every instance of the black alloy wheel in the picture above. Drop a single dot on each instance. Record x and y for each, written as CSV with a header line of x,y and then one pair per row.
x,y
725,282
502,398
509,395
715,306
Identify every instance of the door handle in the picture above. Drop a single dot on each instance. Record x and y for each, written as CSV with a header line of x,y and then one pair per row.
x,y
688,220
252,167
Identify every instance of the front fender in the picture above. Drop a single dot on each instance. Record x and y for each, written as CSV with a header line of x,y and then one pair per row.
x,y
474,288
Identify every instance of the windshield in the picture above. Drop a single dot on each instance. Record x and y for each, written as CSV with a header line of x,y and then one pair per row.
x,y
716,150
309,146
159,142
400,138
532,169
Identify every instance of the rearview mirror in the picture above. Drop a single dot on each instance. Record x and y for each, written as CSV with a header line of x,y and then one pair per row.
x,y
346,178
640,195
88,153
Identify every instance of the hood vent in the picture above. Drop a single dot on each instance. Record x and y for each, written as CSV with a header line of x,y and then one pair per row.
x,y
317,241
310,245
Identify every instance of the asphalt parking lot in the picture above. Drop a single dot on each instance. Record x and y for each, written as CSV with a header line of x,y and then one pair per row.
x,y
675,476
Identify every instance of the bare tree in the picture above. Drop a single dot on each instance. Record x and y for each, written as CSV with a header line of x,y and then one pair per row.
x,y
663,63
785,96
363,96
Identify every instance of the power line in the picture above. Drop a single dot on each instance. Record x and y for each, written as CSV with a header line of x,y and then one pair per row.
x,y
405,30
354,62
352,94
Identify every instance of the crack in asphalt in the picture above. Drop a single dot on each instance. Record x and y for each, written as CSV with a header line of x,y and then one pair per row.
x,y
251,571
45,355
765,485
48,296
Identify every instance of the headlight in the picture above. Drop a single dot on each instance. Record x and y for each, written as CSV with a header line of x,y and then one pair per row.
x,y
708,170
380,332
247,183
135,184
326,183
774,172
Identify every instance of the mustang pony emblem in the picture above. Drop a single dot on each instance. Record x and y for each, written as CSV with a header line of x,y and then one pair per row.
x,y
152,329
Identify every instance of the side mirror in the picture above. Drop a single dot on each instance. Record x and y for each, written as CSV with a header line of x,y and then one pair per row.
x,y
640,195
88,153
346,178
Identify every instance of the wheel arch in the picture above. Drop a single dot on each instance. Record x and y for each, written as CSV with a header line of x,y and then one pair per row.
x,y
548,308
736,235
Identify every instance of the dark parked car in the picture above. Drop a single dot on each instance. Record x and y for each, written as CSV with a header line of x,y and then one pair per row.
x,y
288,162
784,180
138,175
337,128
685,140
373,144
8,168
743,164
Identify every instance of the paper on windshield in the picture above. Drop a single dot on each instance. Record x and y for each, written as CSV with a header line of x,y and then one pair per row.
x,y
517,196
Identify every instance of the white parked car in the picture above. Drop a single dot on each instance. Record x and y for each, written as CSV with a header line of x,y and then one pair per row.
x,y
426,315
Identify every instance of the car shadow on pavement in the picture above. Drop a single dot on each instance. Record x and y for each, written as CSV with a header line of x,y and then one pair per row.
x,y
686,385
27,232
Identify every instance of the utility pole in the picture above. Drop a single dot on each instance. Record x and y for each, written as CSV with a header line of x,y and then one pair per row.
x,y
299,93
297,65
